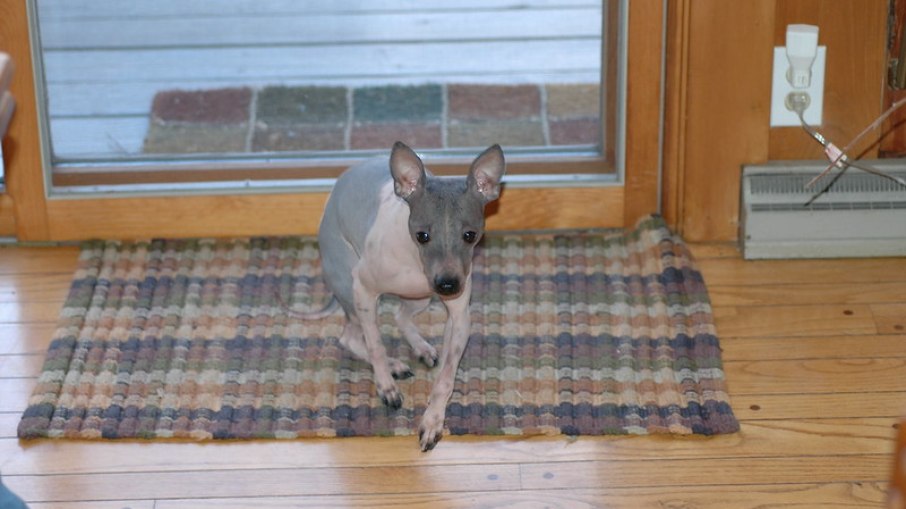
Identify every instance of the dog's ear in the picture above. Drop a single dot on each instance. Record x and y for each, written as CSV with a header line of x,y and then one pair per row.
x,y
486,173
407,170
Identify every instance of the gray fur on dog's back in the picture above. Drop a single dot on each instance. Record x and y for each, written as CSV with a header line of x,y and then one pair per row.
x,y
358,186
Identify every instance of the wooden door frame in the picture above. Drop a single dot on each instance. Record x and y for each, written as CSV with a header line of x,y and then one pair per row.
x,y
22,144
38,218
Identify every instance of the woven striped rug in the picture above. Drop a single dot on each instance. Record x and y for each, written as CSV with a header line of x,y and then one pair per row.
x,y
571,334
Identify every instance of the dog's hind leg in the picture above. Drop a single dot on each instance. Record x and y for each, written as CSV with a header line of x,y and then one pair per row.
x,y
353,340
422,349
366,314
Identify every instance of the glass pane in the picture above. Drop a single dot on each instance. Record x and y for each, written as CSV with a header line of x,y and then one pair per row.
x,y
176,79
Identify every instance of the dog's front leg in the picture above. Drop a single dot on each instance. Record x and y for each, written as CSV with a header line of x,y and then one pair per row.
x,y
456,337
366,303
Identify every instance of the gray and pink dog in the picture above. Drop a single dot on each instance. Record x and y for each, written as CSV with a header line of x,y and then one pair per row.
x,y
397,229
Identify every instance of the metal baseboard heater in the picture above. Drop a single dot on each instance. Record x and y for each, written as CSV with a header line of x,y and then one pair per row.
x,y
861,215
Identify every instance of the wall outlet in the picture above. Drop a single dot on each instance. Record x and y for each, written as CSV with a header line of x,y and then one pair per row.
x,y
780,114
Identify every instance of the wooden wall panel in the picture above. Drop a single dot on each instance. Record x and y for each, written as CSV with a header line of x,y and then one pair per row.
x,y
727,110
720,58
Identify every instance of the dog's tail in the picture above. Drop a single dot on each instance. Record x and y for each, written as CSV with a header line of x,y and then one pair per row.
x,y
324,312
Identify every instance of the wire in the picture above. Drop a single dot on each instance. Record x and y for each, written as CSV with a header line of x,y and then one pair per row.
x,y
874,125
798,102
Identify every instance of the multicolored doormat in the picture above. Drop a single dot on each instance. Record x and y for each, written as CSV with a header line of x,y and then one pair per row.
x,y
572,333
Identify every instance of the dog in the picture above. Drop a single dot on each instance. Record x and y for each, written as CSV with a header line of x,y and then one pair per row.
x,y
397,229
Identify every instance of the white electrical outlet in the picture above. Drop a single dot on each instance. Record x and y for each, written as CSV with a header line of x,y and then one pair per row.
x,y
780,114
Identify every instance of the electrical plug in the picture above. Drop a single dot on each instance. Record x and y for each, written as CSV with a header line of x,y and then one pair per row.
x,y
798,102
801,50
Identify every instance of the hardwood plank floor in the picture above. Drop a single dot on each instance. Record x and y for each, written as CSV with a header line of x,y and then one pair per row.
x,y
815,359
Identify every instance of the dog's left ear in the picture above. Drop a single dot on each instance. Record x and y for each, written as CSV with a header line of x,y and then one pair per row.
x,y
486,173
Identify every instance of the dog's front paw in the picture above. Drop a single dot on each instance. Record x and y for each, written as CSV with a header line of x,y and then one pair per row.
x,y
399,370
425,352
428,357
430,431
391,397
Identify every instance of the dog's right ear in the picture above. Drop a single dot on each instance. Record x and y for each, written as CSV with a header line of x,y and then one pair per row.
x,y
407,170
486,172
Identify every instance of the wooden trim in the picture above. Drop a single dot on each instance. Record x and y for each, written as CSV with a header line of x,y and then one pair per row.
x,y
178,173
610,72
22,145
643,108
677,56
293,214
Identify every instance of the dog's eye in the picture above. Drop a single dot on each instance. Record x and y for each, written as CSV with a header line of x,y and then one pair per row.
x,y
469,236
422,237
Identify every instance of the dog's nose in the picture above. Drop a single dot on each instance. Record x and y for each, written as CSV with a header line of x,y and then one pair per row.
x,y
446,285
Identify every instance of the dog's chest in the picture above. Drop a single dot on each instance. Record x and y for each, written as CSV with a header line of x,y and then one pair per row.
x,y
390,262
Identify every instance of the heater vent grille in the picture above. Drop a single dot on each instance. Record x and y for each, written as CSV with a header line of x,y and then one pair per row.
x,y
859,215
853,181
856,205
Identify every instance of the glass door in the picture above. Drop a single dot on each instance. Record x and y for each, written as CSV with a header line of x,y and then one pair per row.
x,y
151,94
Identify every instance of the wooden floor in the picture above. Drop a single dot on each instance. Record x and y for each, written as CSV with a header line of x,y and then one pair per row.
x,y
815,355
